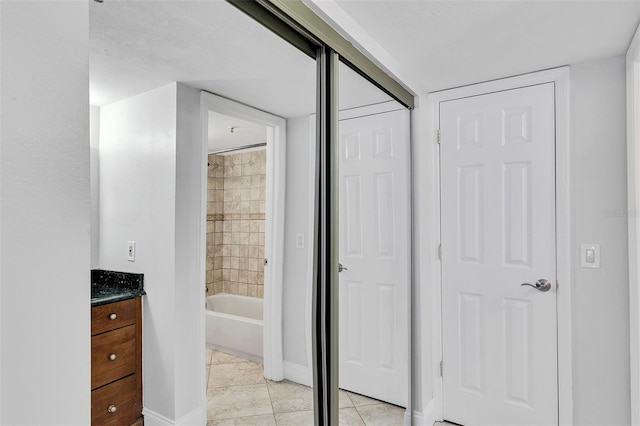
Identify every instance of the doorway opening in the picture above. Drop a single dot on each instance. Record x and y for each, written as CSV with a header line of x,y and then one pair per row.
x,y
244,205
236,194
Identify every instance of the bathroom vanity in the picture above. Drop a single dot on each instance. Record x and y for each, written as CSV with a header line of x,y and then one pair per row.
x,y
116,348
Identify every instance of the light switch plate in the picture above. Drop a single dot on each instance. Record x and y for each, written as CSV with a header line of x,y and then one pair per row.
x,y
131,251
590,255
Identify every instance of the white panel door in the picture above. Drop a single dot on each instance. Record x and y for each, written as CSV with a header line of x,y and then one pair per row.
x,y
374,249
498,232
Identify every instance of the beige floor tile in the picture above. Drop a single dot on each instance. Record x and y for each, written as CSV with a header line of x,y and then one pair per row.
x,y
218,357
238,401
343,399
361,400
350,417
235,374
208,354
266,420
287,396
298,418
382,415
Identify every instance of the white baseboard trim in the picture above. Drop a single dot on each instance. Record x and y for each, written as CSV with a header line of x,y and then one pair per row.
x,y
298,373
197,417
428,415
418,419
151,418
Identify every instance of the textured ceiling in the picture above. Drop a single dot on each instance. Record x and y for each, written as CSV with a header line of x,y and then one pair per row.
x,y
137,46
244,132
444,44
140,45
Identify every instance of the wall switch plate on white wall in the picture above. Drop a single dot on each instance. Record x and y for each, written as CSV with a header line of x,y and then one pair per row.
x,y
131,251
590,255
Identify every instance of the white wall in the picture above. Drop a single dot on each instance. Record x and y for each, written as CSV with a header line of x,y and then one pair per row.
x,y
599,192
137,203
295,260
598,201
45,225
189,235
94,157
150,183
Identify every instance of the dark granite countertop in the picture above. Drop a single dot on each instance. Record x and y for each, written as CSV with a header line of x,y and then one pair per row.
x,y
113,286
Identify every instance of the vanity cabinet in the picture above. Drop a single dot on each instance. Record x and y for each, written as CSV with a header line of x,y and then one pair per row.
x,y
116,363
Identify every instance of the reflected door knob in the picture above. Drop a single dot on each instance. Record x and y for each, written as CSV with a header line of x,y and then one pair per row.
x,y
540,285
341,268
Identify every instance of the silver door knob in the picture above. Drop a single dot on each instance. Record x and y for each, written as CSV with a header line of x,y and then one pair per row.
x,y
112,409
540,285
341,268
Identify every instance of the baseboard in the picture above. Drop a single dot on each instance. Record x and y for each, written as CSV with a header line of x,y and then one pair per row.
x,y
151,418
297,373
418,419
428,414
197,417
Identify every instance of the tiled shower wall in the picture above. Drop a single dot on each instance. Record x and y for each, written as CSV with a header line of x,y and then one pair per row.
x,y
235,223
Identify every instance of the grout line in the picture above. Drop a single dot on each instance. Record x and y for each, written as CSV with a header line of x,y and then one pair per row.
x,y
360,415
273,411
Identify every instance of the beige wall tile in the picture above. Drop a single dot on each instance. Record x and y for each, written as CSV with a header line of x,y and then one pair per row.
x,y
235,239
242,289
252,290
243,263
234,263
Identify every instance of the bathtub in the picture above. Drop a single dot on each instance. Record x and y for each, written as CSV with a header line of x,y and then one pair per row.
x,y
233,324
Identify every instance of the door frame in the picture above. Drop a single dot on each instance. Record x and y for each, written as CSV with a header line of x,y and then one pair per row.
x,y
274,222
431,298
633,212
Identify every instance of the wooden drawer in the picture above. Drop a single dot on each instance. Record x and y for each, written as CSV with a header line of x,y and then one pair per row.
x,y
123,396
112,316
122,344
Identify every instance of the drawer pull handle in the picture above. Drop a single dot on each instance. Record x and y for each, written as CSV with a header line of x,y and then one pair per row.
x,y
113,316
112,409
112,357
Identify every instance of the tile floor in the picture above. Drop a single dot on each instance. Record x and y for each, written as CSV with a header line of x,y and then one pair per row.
x,y
238,394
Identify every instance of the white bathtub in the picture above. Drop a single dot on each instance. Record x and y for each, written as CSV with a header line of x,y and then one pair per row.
x,y
233,324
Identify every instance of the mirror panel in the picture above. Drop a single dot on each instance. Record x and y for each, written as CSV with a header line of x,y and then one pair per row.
x,y
374,254
221,219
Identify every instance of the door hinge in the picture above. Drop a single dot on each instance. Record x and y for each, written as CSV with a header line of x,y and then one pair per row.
x,y
441,368
440,252
438,137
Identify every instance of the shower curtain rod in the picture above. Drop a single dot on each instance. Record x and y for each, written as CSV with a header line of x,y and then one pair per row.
x,y
255,145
